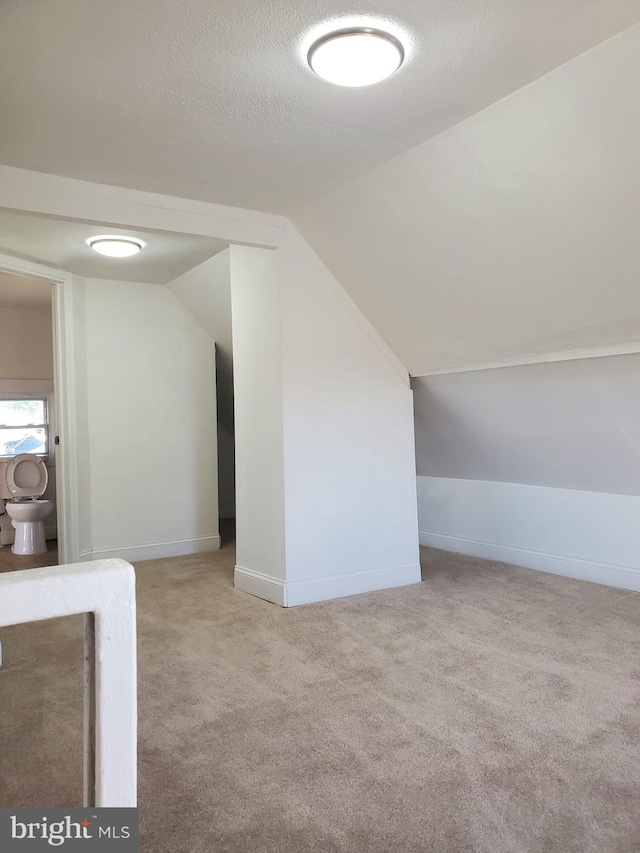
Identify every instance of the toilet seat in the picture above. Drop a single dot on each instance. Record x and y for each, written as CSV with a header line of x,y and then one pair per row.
x,y
26,476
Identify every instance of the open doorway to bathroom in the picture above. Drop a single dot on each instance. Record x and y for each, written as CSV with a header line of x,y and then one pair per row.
x,y
27,402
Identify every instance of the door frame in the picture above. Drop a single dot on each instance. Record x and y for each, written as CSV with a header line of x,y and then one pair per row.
x,y
65,396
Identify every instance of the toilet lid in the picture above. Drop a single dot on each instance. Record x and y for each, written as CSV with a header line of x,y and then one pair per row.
x,y
26,476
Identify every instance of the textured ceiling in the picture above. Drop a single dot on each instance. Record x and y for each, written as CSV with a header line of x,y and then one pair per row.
x,y
62,244
20,291
508,237
211,99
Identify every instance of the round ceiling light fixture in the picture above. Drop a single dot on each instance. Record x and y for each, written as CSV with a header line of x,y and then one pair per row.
x,y
115,246
357,56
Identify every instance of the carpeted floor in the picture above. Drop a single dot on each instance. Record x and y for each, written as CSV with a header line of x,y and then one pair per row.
x,y
489,709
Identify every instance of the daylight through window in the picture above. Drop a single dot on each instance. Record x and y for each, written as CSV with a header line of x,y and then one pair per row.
x,y
23,427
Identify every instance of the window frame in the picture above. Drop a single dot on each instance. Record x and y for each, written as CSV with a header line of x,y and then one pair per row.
x,y
46,398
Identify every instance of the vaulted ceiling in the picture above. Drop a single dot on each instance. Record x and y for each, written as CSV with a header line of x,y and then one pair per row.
x,y
212,99
479,206
513,236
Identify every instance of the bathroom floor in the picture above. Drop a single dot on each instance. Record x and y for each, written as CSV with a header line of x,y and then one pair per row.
x,y
10,562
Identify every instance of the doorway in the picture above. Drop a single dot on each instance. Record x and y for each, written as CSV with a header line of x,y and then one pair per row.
x,y
28,399
134,375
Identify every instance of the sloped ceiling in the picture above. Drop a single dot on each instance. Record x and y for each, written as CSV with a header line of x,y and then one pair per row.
x,y
513,234
212,99
205,292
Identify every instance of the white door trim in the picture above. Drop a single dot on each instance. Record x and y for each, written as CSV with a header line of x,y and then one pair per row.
x,y
67,485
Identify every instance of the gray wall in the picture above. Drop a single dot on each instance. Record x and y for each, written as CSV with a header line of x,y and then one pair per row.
x,y
568,424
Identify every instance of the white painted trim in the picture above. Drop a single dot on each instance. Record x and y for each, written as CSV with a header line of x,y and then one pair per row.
x,y
68,489
53,195
354,583
262,586
65,415
18,266
295,593
539,358
106,589
625,577
160,550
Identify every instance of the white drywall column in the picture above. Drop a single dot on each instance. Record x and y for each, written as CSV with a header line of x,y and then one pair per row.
x,y
260,522
105,588
328,420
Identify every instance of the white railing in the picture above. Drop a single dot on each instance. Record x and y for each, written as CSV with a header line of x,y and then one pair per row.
x,y
104,591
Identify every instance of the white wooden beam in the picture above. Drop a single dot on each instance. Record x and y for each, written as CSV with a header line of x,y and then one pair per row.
x,y
105,589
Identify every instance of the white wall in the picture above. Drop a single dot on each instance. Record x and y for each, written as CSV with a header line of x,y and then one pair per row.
x,y
587,535
151,423
257,357
26,343
205,291
513,235
345,415
537,465
349,455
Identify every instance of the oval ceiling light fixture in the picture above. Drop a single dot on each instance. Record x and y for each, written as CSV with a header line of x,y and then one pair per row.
x,y
114,246
357,56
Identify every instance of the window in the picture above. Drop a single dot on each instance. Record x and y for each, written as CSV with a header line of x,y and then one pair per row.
x,y
23,427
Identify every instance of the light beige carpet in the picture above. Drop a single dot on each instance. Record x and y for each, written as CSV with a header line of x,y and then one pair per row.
x,y
489,709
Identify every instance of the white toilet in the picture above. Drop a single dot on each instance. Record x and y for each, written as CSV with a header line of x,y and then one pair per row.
x,y
23,482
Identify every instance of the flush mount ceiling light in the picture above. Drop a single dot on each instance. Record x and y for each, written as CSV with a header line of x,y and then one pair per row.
x,y
358,56
116,247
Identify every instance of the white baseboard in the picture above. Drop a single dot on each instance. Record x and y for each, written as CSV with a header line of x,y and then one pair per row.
x,y
261,585
555,564
158,550
591,536
295,593
624,577
353,583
